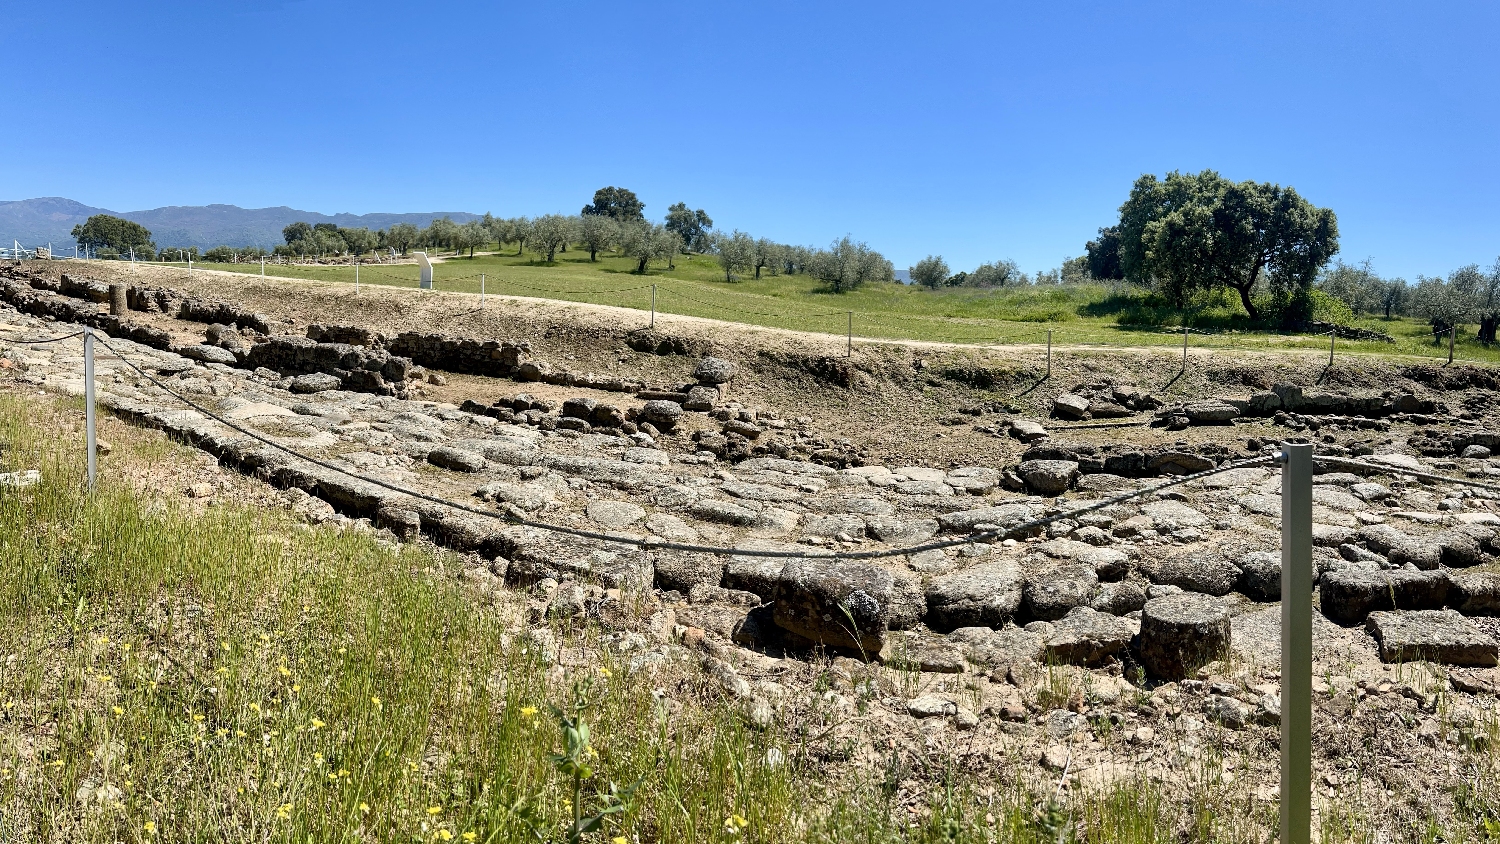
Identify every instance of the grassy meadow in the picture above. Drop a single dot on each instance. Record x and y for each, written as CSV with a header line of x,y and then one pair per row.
x,y
1078,315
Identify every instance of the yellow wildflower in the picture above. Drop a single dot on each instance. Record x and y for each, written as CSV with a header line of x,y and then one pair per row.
x,y
283,671
197,718
376,701
297,687
284,812
103,640
470,836
528,712
117,710
318,725
444,835
149,827
239,733
343,651
255,707
223,670
364,807
618,839
434,810
605,672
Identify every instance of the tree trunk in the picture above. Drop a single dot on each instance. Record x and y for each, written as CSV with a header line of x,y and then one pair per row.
x,y
592,253
1245,300
640,267
757,272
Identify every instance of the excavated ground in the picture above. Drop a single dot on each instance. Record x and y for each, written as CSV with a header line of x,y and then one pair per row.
x,y
1042,649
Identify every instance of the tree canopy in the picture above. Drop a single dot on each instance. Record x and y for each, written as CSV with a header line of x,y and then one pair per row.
x,y
103,231
549,233
1103,254
691,226
1201,231
931,272
616,202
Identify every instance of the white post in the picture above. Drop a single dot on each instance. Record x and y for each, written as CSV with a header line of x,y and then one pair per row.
x,y
653,306
263,266
1296,643
1049,353
481,289
1452,334
356,278
1331,336
425,281
849,350
88,399
1184,347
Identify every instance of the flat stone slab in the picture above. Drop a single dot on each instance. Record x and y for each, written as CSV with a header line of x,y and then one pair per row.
x,y
1434,635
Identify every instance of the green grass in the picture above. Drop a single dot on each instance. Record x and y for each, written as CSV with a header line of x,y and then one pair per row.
x,y
1087,315
235,675
232,674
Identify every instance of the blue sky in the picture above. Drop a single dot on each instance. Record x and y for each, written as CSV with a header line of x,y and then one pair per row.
x,y
974,130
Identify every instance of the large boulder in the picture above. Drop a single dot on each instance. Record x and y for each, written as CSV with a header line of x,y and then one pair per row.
x,y
1005,515
1054,592
1048,477
1212,412
1347,597
844,604
986,595
1434,635
1196,571
714,371
1070,406
1087,637
1119,598
456,459
1181,633
661,413
1261,575
315,382
1474,593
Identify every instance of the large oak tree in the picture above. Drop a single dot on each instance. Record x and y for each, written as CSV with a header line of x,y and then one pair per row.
x,y
1201,231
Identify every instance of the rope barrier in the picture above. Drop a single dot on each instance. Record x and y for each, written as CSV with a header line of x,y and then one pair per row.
x,y
1398,470
47,340
651,543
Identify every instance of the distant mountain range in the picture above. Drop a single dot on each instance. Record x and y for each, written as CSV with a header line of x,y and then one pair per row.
x,y
50,219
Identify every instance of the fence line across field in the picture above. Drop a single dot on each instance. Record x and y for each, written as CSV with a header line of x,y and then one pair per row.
x,y
853,320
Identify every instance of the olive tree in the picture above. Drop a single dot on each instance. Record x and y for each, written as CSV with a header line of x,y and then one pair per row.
x,y
736,253
848,264
930,272
360,240
597,232
768,256
548,233
401,237
646,242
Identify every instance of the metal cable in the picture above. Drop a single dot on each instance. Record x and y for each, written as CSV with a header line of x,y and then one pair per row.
x,y
1397,470
47,340
648,543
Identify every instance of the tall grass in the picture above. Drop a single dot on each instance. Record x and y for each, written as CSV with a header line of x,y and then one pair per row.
x,y
231,674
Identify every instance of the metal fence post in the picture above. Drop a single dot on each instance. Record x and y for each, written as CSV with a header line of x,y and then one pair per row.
x,y
481,289
1452,333
1296,642
263,266
1184,347
653,306
1049,353
88,399
849,350
356,278
1331,336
